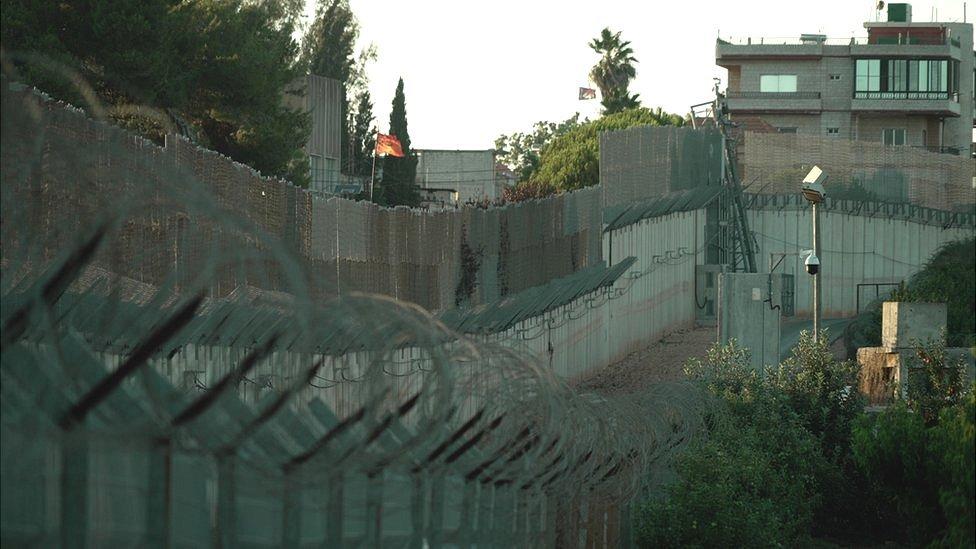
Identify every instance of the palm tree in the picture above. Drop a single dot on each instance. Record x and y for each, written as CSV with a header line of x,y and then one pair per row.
x,y
614,71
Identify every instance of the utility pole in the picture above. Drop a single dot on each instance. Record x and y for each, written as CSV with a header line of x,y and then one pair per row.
x,y
816,277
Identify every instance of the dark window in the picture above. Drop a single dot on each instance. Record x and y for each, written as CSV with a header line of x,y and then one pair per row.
x,y
833,131
893,136
786,130
905,79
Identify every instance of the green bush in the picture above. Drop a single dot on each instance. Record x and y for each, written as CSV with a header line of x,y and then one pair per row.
x,y
788,456
892,450
935,382
954,442
755,479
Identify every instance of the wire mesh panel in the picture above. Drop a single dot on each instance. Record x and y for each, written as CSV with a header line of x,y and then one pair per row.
x,y
860,170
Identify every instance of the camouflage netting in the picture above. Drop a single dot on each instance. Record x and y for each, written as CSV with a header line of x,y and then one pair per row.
x,y
649,161
774,163
346,246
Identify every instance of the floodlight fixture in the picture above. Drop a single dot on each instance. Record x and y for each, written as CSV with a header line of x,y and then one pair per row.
x,y
813,186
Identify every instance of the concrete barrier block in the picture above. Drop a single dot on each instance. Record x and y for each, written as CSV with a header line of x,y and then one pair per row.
x,y
903,323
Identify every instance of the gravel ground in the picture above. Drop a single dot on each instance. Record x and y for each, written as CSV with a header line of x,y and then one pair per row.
x,y
661,361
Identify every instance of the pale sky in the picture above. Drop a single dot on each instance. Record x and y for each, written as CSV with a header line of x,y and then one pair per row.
x,y
474,70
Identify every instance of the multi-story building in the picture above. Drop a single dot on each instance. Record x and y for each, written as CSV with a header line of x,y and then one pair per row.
x,y
469,175
907,83
321,98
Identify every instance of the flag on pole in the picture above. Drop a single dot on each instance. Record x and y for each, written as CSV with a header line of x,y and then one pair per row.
x,y
389,145
587,93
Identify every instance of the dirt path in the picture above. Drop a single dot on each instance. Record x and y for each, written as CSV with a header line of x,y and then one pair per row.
x,y
661,361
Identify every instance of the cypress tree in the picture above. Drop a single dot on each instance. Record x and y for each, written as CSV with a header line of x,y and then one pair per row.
x,y
400,174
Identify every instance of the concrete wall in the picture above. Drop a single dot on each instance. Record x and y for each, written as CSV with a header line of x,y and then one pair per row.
x,y
749,311
470,173
855,249
660,289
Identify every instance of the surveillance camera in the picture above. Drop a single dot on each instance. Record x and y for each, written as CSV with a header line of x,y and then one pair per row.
x,y
813,185
812,264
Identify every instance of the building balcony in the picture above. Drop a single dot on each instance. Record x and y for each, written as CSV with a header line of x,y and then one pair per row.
x,y
930,103
753,101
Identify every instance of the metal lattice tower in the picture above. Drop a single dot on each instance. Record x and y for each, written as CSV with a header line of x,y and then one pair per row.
x,y
742,247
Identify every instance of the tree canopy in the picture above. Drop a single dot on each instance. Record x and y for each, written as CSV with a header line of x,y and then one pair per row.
x,y
400,174
572,160
520,151
215,69
614,71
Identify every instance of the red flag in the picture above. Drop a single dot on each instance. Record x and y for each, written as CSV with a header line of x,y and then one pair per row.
x,y
388,144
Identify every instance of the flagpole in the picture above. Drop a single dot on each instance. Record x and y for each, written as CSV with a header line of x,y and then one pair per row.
x,y
372,176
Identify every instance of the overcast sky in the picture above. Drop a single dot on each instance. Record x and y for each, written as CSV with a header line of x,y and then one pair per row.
x,y
474,70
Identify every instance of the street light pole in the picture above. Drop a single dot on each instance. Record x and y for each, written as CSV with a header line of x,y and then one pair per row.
x,y
816,277
813,192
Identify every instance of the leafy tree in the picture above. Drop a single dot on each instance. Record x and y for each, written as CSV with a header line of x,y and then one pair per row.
x,y
216,69
363,135
614,71
572,160
520,151
400,174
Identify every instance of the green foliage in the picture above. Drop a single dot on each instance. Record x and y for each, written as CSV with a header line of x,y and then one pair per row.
x,y
935,381
753,482
219,67
572,160
954,441
918,456
614,71
892,450
520,151
400,174
363,135
821,390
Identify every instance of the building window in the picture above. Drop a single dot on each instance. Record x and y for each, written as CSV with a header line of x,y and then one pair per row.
x,y
777,83
905,79
786,130
867,77
833,132
835,77
893,136
317,172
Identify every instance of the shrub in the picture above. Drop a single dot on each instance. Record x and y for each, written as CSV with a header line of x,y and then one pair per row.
x,y
935,381
821,390
752,482
954,443
892,451
755,479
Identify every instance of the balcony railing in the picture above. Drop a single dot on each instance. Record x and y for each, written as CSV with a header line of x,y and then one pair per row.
x,y
791,41
917,95
772,95
836,41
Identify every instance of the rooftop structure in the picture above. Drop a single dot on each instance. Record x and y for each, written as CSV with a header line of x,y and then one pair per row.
x,y
321,97
469,174
906,83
